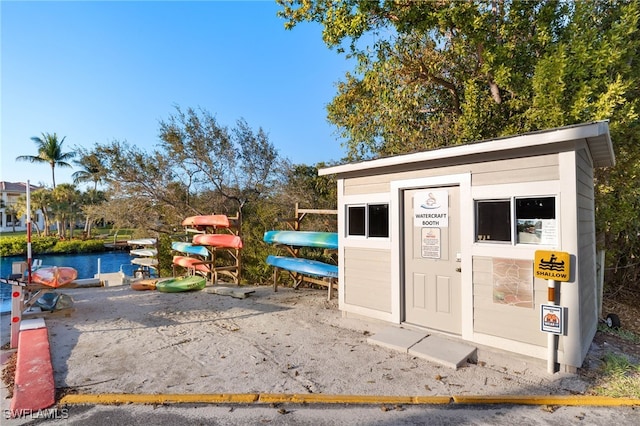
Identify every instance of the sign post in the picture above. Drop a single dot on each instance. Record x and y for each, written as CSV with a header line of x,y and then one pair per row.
x,y
552,266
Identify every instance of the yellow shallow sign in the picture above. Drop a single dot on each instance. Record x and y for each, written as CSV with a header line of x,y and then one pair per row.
x,y
552,265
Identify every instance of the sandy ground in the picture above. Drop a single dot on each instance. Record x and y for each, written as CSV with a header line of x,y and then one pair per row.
x,y
292,341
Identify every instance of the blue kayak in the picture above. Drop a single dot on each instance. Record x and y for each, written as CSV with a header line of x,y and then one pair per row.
x,y
304,266
189,248
327,240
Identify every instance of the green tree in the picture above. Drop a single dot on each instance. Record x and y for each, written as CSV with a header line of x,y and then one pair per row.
x,y
66,207
142,191
21,210
41,199
304,186
12,211
49,151
91,168
200,167
432,74
240,165
90,198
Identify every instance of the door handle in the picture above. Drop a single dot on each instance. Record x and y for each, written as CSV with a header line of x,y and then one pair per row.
x,y
458,269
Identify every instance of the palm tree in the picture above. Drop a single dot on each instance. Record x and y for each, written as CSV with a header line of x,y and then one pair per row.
x,y
89,200
92,170
49,151
42,200
65,207
11,213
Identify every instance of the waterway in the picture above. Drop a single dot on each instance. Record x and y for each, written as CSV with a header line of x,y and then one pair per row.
x,y
86,265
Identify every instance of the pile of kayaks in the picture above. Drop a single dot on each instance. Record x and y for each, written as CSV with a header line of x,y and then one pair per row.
x,y
147,254
171,285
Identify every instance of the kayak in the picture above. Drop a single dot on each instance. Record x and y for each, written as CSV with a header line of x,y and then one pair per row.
x,y
54,276
179,284
143,285
192,262
148,252
145,261
189,248
303,266
142,242
218,240
326,240
213,220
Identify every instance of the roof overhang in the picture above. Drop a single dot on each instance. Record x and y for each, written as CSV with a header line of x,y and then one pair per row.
x,y
595,134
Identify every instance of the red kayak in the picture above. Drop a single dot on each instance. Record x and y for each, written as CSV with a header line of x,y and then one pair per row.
x,y
212,220
218,240
54,276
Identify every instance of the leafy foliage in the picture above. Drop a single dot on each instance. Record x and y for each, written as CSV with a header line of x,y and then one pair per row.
x,y
204,167
16,246
238,164
433,74
91,168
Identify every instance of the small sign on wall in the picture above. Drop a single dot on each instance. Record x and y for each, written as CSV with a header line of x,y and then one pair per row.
x,y
430,243
552,265
431,209
552,319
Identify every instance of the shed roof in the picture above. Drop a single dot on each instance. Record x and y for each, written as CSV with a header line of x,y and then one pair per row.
x,y
596,135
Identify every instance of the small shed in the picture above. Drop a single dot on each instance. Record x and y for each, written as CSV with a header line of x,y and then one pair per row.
x,y
445,240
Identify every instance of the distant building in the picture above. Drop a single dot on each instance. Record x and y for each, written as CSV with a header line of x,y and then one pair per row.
x,y
10,192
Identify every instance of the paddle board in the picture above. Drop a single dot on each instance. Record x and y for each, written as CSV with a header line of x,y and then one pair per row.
x,y
188,262
327,240
215,220
189,248
218,240
175,285
142,242
147,252
304,266
54,276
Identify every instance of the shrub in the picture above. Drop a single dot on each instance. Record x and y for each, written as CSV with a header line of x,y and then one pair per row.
x,y
16,246
43,244
78,246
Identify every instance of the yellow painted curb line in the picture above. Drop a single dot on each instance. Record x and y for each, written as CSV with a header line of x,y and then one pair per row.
x,y
125,398
546,400
317,398
250,398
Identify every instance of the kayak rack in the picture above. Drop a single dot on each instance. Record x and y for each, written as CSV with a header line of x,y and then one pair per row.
x,y
211,247
299,268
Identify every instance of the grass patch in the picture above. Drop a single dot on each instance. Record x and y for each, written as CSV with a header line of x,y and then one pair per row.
x,y
619,378
627,335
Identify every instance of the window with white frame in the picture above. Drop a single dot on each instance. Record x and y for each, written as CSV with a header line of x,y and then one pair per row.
x,y
493,220
368,220
516,220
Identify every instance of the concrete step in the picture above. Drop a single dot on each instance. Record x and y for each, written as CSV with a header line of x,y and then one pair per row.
x,y
434,348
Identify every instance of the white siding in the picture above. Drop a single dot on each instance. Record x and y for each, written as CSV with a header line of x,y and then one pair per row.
x,y
516,170
368,274
516,323
586,258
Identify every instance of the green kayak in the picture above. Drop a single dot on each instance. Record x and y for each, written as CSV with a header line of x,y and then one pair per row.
x,y
175,285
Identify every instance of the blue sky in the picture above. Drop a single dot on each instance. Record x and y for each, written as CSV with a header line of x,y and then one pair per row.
x,y
95,72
